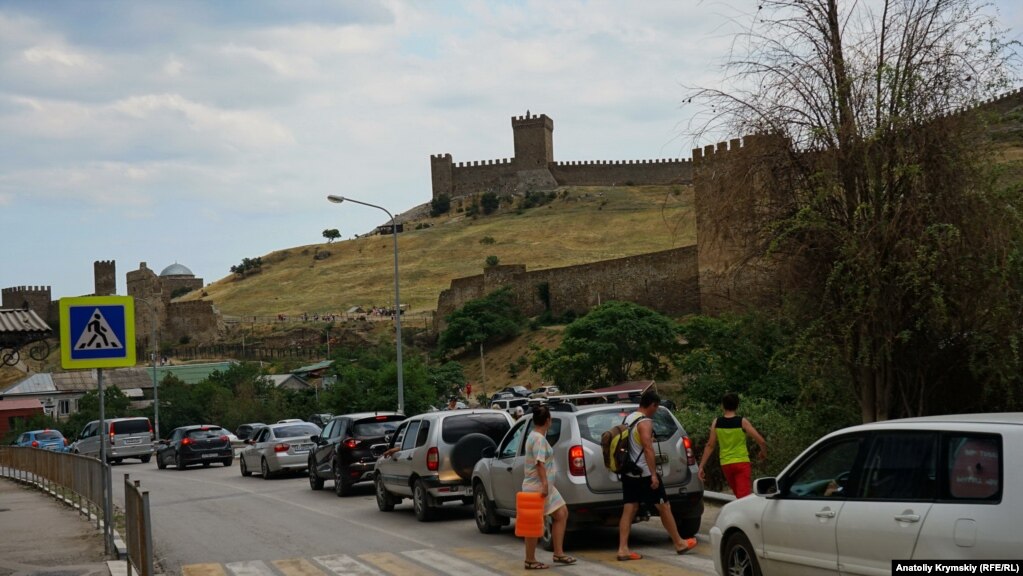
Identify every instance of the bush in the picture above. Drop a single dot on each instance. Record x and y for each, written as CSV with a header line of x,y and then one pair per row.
x,y
489,202
488,240
440,205
492,261
533,199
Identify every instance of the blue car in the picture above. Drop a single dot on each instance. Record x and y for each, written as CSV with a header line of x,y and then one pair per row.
x,y
45,439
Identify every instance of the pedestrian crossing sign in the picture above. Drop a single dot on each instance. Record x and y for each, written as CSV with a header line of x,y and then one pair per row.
x,y
97,332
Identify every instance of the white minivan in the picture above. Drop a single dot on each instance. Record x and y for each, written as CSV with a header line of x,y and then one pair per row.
x,y
934,488
126,438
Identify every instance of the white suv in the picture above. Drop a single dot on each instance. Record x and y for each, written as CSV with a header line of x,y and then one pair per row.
x,y
936,488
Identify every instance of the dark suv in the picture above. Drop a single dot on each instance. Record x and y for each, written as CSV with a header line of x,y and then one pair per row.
x,y
195,444
342,453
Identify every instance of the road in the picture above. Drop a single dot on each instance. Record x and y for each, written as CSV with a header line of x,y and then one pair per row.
x,y
213,522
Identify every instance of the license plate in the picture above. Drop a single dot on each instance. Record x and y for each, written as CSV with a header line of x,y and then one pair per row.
x,y
209,455
133,441
661,459
297,451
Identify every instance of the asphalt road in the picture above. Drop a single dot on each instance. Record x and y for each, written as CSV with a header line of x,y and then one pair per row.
x,y
213,522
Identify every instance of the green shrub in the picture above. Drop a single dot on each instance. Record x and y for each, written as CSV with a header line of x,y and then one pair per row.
x,y
488,240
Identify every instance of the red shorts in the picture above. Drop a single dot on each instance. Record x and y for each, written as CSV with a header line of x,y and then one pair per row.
x,y
739,477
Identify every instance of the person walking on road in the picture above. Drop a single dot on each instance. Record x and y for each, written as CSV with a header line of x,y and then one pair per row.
x,y
730,431
539,477
644,486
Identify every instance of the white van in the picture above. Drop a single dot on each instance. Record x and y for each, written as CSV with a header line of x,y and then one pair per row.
x,y
126,438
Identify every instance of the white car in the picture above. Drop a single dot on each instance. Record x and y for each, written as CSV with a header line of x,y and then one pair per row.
x,y
935,488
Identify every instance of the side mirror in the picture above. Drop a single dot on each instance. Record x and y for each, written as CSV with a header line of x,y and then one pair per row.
x,y
489,452
377,450
766,487
250,441
388,438
315,439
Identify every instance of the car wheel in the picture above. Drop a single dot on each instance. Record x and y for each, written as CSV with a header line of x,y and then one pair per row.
x,y
228,462
385,501
739,557
160,463
206,464
342,487
179,462
421,502
315,482
245,469
265,469
145,459
486,518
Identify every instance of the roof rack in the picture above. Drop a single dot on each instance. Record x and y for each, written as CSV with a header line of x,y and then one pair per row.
x,y
571,402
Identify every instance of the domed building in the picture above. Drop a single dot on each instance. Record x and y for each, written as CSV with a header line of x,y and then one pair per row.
x,y
198,320
178,280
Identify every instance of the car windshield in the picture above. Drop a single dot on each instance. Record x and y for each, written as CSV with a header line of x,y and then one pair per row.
x,y
373,428
203,434
134,426
493,425
293,430
593,424
49,435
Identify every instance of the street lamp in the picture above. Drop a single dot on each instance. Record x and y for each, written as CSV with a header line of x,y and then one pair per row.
x,y
156,390
397,296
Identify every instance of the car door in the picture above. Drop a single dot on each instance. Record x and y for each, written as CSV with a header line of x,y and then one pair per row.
x,y
897,488
799,525
388,466
403,461
506,470
323,453
165,453
87,440
253,453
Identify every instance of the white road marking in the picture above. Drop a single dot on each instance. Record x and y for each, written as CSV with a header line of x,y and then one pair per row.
x,y
581,567
346,566
252,568
688,561
446,563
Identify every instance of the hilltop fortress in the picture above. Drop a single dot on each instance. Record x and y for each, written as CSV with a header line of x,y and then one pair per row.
x,y
533,167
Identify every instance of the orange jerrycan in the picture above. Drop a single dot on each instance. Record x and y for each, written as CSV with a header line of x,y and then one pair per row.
x,y
529,515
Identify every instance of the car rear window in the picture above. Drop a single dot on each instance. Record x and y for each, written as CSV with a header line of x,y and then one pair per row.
x,y
593,424
493,425
374,428
292,430
200,434
49,435
974,467
135,426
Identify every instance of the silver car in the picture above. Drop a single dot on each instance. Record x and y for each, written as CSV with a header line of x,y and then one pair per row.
x,y
125,437
278,448
592,492
432,457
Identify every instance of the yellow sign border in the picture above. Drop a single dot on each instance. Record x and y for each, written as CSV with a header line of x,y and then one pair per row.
x,y
127,302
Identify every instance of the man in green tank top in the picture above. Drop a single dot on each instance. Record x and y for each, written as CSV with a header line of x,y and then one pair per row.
x,y
730,432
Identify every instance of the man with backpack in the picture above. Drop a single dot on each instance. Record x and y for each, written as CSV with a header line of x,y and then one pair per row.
x,y
641,485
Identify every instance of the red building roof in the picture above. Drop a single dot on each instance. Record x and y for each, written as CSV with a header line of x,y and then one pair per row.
x,y
20,404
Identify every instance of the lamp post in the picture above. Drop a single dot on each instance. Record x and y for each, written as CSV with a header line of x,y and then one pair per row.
x,y
156,389
397,296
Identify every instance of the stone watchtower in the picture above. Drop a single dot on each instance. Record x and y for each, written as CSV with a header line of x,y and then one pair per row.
x,y
534,141
105,275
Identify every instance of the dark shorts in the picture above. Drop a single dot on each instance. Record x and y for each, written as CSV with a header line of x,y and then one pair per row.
x,y
638,491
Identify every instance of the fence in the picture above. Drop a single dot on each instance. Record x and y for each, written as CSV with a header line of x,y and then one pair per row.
x,y
76,478
138,532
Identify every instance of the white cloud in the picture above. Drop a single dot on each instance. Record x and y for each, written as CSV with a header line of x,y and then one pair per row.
x,y
54,55
173,67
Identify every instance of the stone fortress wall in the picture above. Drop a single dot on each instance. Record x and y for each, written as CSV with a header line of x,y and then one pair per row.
x,y
35,298
199,321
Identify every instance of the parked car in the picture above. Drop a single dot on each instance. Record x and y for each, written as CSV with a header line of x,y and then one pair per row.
x,y
278,448
244,431
935,488
343,452
320,420
126,437
545,391
44,439
290,421
502,396
205,443
592,492
434,457
508,404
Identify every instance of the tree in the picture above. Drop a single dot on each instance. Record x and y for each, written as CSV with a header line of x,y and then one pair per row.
x,y
492,261
331,234
248,266
614,343
906,248
493,318
489,202
440,205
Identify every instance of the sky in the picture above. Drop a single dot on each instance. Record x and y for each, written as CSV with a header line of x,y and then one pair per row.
x,y
206,132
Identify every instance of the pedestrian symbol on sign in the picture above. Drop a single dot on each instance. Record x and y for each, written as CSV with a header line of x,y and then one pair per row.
x,y
98,335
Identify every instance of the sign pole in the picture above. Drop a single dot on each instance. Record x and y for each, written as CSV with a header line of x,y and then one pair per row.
x,y
102,432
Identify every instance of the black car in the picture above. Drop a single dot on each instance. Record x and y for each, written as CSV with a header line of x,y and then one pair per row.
x,y
205,443
342,453
245,430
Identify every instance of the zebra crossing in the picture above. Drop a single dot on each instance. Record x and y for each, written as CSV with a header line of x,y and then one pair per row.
x,y
500,560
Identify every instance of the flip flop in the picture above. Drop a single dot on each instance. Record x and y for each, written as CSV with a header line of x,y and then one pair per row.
x,y
690,544
630,556
565,559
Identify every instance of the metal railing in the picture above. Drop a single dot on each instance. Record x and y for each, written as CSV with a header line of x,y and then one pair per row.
x,y
137,527
76,478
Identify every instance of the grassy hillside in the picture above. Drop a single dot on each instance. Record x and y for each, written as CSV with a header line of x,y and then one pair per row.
x,y
581,225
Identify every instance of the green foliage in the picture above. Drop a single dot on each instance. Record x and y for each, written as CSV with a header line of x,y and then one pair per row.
x,y
440,205
615,342
331,234
533,199
115,405
516,367
492,261
248,266
493,318
489,202
488,240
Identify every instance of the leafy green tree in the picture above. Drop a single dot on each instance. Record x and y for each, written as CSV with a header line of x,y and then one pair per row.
x,y
331,234
248,266
440,205
493,318
489,202
615,342
492,261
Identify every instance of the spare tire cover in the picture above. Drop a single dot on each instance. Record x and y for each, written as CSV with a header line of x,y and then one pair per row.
x,y
467,452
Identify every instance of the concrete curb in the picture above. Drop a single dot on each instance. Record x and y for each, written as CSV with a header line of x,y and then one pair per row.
x,y
719,497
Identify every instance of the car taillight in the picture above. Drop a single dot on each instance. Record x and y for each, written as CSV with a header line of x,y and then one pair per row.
x,y
432,460
224,439
111,437
690,456
186,441
281,447
576,461
351,443
35,443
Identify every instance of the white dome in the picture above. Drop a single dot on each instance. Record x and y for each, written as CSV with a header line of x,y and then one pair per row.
x,y
176,269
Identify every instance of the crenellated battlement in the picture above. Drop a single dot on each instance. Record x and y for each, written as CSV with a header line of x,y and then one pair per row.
x,y
497,162
623,162
26,290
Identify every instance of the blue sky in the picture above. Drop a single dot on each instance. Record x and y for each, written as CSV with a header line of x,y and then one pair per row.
x,y
205,132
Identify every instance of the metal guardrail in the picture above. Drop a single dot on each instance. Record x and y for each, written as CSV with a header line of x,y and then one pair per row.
x,y
138,530
79,479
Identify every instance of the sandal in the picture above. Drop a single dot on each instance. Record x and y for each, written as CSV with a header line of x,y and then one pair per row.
x,y
690,544
564,559
536,565
630,556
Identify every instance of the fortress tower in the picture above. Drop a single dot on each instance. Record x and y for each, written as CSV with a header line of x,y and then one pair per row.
x,y
105,275
534,141
35,298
